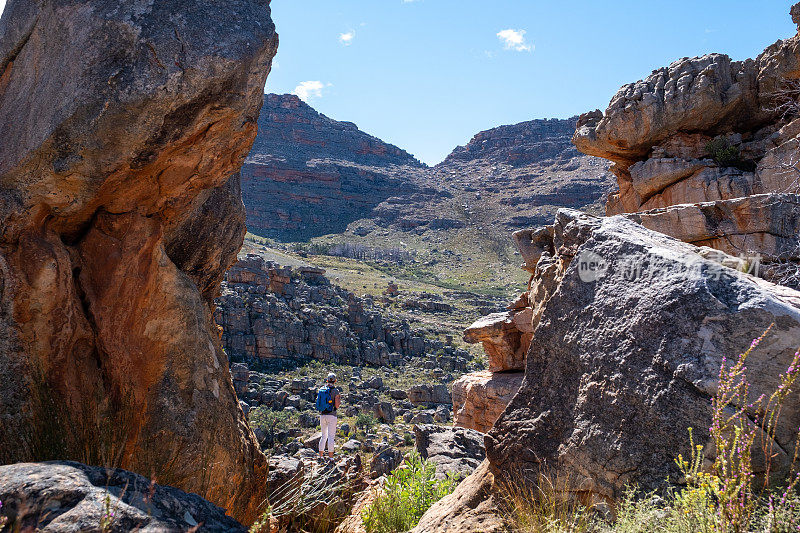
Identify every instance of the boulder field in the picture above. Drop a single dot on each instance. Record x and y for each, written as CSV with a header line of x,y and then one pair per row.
x,y
124,127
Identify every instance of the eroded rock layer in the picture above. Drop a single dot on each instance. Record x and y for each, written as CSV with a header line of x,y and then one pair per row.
x,y
308,175
124,126
708,131
481,397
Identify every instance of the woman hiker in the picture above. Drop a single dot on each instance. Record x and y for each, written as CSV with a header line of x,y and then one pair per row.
x,y
328,401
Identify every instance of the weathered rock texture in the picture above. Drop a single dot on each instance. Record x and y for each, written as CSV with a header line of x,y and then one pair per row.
x,y
268,311
308,175
454,451
626,355
64,497
124,126
480,398
713,132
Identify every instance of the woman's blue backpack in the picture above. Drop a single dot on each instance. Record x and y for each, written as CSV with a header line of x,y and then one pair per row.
x,y
325,400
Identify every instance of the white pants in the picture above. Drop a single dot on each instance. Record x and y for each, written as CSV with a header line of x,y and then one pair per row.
x,y
328,423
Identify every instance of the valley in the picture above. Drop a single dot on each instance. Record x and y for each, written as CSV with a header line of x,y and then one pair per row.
x,y
581,325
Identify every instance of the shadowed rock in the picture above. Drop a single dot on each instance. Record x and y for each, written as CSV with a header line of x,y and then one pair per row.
x,y
63,497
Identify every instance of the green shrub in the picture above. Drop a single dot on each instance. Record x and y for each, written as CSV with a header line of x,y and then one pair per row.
x,y
726,155
271,422
366,421
409,491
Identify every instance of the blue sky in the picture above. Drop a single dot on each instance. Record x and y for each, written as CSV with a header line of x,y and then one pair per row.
x,y
427,75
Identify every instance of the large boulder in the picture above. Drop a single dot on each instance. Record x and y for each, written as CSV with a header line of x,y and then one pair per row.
x,y
455,451
481,397
384,461
121,211
627,353
63,497
425,394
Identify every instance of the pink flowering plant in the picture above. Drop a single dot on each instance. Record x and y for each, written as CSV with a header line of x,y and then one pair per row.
x,y
738,425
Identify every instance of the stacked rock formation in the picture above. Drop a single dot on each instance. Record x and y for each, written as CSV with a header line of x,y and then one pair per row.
x,y
707,150
480,397
124,126
268,311
308,175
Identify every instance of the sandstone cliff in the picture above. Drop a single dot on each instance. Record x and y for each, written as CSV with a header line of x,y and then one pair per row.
x,y
721,135
124,126
267,311
308,175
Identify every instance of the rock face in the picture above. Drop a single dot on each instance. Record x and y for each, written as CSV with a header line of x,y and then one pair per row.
x,y
712,132
67,497
480,398
627,352
120,213
455,451
308,175
268,311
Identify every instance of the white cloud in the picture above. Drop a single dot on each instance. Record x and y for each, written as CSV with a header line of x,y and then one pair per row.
x,y
514,40
347,37
308,90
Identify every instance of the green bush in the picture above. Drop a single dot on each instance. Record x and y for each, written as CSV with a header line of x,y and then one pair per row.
x,y
726,155
271,422
409,491
365,421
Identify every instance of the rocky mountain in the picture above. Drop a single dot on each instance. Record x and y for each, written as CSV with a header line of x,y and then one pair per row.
x,y
308,175
311,177
527,170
